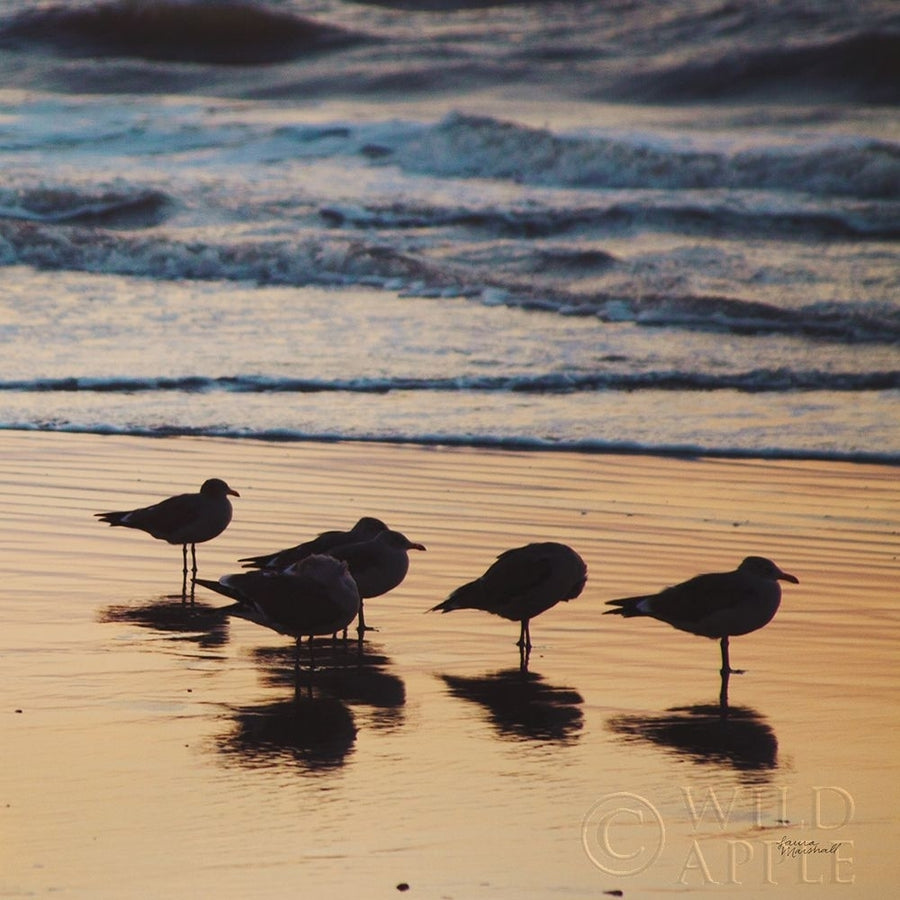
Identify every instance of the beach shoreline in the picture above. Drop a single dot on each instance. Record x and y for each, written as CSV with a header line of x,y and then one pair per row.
x,y
138,710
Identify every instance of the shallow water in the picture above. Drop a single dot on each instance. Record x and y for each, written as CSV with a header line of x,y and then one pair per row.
x,y
151,745
109,354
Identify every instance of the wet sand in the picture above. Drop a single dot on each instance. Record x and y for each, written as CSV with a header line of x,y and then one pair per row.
x,y
155,750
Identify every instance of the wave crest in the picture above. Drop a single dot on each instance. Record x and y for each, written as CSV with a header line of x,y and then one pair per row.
x,y
484,147
128,208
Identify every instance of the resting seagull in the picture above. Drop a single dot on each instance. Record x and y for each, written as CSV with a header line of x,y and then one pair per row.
x,y
183,519
315,596
718,606
521,584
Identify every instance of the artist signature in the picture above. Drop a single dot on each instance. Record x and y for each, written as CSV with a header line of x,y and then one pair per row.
x,y
793,847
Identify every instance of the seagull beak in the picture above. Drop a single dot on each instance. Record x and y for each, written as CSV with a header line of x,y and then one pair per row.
x,y
785,576
233,492
413,546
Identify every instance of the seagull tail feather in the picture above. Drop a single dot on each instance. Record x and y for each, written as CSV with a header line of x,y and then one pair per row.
x,y
627,607
219,588
469,596
112,518
256,562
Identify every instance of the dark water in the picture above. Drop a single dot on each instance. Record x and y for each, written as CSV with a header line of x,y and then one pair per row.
x,y
668,227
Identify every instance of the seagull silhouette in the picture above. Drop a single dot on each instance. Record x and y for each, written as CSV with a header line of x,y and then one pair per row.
x,y
377,557
314,596
718,605
377,565
521,584
183,519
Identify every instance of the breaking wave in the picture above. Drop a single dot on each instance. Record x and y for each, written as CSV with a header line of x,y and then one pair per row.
x,y
757,381
484,147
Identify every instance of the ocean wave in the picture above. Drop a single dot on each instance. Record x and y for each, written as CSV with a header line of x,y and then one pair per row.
x,y
314,260
797,221
521,444
756,381
338,260
673,50
844,322
128,208
484,147
763,215
863,66
229,33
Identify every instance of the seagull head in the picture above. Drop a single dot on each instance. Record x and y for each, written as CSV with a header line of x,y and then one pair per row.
x,y
765,568
400,541
215,487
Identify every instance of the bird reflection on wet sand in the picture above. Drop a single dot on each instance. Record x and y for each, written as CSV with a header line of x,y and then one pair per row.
x,y
316,732
743,740
198,623
359,681
315,596
521,704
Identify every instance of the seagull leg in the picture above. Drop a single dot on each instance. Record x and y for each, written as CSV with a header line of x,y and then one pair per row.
x,y
725,672
193,565
184,571
361,627
524,645
525,635
726,665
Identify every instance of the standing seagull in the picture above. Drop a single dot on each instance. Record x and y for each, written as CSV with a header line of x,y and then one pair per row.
x,y
184,519
312,597
521,584
377,565
719,605
367,527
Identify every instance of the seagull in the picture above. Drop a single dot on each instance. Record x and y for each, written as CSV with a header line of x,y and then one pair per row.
x,y
719,605
521,584
367,527
314,596
183,519
377,565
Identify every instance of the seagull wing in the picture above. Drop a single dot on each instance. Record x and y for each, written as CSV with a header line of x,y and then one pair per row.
x,y
692,601
168,516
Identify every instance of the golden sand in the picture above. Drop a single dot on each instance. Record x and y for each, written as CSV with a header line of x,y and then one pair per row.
x,y
146,753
